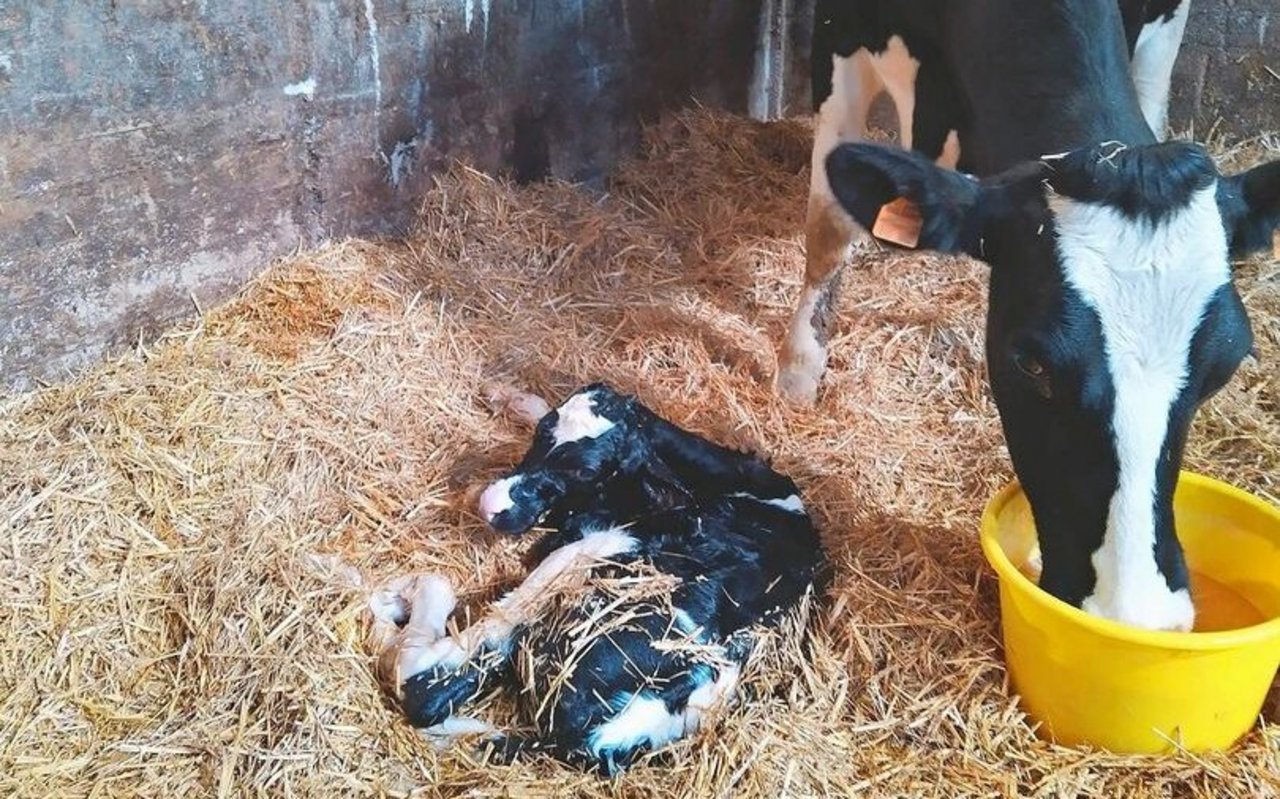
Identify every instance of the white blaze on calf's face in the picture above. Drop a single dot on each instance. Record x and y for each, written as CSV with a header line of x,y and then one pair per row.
x,y
1150,284
577,419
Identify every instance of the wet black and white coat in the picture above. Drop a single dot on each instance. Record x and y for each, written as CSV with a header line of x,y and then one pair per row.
x,y
606,672
1111,315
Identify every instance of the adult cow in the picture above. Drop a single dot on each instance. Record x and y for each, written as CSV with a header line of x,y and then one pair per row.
x,y
1112,315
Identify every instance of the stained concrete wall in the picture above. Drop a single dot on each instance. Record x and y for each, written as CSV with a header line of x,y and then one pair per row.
x,y
155,153
1227,78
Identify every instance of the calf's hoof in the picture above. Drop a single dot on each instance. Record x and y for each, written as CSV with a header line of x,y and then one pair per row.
x,y
432,697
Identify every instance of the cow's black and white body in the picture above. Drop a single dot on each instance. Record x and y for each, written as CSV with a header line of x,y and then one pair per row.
x,y
666,556
1112,314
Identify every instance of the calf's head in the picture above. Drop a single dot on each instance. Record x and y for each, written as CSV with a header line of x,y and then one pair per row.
x,y
1111,317
593,458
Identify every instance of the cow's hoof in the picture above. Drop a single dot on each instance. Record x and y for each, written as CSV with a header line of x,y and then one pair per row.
x,y
798,384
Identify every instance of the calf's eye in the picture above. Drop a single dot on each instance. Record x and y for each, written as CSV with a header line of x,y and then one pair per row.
x,y
1036,372
1029,366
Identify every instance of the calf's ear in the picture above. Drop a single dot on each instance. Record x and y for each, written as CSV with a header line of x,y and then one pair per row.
x,y
942,205
1250,206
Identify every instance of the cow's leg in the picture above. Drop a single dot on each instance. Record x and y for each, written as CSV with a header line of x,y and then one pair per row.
x,y
828,229
923,96
898,71
1152,67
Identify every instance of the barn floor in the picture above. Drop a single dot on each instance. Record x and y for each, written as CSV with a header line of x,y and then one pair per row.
x,y
188,534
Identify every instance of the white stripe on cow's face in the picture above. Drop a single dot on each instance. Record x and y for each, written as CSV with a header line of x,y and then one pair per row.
x,y
1149,285
577,419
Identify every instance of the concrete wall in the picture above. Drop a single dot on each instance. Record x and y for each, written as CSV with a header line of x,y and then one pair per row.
x,y
155,153
1221,81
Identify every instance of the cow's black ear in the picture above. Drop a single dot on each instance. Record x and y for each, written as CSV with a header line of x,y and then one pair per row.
x,y
1250,206
866,177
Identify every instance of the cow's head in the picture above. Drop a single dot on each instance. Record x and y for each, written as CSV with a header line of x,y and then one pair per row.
x,y
1112,316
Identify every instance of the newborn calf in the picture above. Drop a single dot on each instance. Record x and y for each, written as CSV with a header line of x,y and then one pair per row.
x,y
665,557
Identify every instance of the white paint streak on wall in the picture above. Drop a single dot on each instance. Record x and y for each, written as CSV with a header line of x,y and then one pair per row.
x,y
768,83
306,88
374,56
758,106
469,14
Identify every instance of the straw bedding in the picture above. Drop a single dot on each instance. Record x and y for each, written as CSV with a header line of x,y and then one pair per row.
x,y
189,534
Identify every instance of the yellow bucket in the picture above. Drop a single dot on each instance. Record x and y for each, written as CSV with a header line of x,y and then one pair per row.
x,y
1093,681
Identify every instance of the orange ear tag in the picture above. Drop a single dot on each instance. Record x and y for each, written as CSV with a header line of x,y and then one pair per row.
x,y
899,222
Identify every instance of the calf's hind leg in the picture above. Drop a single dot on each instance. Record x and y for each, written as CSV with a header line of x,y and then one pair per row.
x,y
438,676
828,229
424,613
525,407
